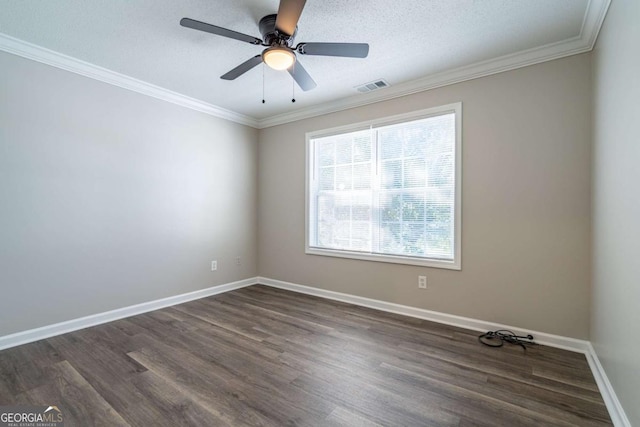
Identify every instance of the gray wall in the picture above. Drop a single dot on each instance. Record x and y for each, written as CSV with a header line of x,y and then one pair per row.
x,y
110,198
526,204
615,321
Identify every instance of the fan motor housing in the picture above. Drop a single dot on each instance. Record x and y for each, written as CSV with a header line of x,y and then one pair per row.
x,y
270,35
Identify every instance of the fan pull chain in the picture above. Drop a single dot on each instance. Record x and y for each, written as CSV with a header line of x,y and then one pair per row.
x,y
293,83
263,101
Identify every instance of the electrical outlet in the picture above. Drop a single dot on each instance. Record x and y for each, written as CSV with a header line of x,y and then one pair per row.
x,y
214,265
237,260
422,282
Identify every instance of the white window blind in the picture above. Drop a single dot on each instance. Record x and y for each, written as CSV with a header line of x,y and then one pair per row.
x,y
387,191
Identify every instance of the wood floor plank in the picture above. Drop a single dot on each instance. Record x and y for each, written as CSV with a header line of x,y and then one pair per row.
x,y
176,407
7,397
18,372
493,397
241,343
199,385
252,401
384,407
80,403
342,417
237,326
563,402
269,357
574,377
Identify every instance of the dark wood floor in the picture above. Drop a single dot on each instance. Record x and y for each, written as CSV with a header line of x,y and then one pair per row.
x,y
262,356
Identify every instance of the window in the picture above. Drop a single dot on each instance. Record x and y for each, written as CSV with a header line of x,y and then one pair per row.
x,y
387,190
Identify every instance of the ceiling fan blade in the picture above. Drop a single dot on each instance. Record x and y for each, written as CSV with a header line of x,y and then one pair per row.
x,y
289,13
350,50
213,29
242,68
301,77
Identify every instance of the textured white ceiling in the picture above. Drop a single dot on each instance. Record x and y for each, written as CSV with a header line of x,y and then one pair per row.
x,y
408,40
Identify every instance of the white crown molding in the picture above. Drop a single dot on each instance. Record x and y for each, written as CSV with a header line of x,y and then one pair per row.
x,y
434,81
593,20
48,331
46,56
591,24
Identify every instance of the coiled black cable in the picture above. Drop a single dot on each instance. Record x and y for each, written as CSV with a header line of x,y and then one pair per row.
x,y
499,337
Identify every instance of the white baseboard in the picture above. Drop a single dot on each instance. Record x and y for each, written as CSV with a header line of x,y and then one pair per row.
x,y
551,340
611,401
37,334
616,412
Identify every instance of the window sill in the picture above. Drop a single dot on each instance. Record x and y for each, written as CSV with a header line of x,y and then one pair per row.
x,y
393,259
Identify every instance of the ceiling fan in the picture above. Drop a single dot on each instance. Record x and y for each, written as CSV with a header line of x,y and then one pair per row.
x,y
278,33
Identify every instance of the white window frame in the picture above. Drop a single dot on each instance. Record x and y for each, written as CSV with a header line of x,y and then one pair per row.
x,y
456,263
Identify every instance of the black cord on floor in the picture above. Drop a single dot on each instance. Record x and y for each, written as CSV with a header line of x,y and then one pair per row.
x,y
499,337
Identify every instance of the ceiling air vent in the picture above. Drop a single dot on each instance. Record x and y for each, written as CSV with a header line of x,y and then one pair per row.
x,y
371,86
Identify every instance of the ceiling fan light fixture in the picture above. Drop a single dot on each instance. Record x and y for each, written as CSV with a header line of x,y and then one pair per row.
x,y
278,58
278,32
